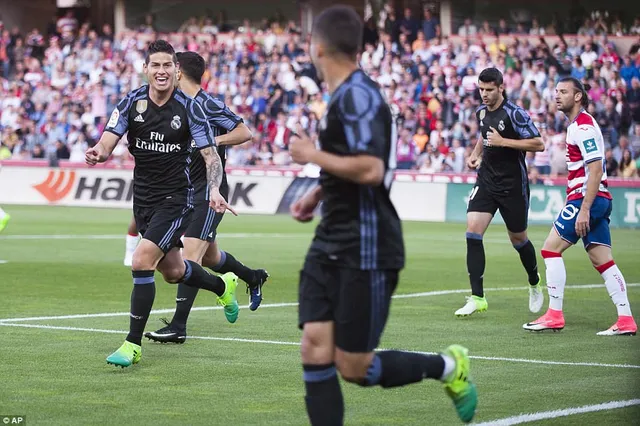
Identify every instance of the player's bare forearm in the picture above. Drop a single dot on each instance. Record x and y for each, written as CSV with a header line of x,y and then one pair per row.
x,y
477,150
316,193
108,141
530,145
593,184
237,136
214,167
362,169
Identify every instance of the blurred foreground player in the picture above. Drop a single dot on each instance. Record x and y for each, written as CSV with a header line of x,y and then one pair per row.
x,y
507,134
585,216
352,266
161,124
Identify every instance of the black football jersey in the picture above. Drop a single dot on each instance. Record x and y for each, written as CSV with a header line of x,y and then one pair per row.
x,y
160,139
359,227
504,169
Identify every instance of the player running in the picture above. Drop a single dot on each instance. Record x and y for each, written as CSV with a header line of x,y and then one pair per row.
x,y
586,215
161,122
352,266
507,134
200,243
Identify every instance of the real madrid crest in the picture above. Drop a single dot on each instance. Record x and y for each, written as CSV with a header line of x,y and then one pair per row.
x,y
483,113
141,106
175,122
501,125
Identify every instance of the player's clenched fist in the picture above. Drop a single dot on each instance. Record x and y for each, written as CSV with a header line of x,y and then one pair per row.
x,y
95,155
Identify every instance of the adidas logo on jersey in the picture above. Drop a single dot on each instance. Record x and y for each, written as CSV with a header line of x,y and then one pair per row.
x,y
139,118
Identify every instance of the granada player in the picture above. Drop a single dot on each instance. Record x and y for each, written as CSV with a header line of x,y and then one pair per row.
x,y
586,215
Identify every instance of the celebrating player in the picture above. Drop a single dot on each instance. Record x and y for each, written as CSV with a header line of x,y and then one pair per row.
x,y
162,122
352,266
507,133
586,215
200,243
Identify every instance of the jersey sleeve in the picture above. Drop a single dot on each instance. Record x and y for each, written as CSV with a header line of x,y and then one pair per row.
x,y
198,125
523,125
119,120
219,114
585,137
364,128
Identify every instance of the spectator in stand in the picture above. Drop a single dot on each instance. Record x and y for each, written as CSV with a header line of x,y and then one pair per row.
x,y
627,168
611,164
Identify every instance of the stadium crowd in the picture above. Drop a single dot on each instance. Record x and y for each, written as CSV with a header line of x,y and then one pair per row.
x,y
58,88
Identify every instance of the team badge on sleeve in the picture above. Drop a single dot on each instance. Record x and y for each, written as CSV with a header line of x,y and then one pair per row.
x,y
590,145
113,120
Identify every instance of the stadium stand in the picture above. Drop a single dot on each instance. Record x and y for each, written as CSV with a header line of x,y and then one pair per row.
x,y
57,88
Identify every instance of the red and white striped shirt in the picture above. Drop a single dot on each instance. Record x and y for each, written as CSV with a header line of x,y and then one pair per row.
x,y
585,145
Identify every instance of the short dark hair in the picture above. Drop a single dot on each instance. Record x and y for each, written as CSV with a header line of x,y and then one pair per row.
x,y
340,27
579,87
491,75
192,65
160,46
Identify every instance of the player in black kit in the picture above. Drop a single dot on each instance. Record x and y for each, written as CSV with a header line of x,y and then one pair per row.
x,y
352,266
200,244
161,122
503,184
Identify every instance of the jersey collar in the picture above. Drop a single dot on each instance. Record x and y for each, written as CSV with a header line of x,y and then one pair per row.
x,y
576,117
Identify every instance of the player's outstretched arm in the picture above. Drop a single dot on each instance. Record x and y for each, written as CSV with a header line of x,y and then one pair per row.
x,y
237,136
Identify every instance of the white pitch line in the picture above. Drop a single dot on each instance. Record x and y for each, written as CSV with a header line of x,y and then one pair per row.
x,y
285,343
543,415
287,304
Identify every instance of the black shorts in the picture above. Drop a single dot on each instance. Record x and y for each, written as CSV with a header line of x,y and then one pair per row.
x,y
204,222
164,224
357,301
513,206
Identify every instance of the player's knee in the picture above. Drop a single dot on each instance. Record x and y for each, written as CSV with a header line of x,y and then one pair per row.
x,y
353,370
314,350
211,258
518,239
173,274
140,262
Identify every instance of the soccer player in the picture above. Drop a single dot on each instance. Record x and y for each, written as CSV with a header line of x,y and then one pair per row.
x,y
200,244
4,219
352,266
131,242
585,216
161,122
507,134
